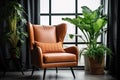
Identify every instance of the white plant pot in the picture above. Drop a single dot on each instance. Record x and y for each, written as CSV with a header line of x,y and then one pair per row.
x,y
87,65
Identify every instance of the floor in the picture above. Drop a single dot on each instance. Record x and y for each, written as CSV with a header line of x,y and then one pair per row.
x,y
51,75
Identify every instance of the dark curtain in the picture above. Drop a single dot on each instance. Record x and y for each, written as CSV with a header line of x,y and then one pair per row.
x,y
33,15
32,8
3,51
113,63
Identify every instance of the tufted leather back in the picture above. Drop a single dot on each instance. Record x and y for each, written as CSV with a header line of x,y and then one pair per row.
x,y
47,34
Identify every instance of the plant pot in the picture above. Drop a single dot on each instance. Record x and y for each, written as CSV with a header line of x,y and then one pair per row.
x,y
87,64
96,67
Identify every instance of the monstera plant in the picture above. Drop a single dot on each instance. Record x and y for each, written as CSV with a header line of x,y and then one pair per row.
x,y
91,25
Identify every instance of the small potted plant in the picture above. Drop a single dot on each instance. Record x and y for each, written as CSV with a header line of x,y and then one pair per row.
x,y
91,25
14,33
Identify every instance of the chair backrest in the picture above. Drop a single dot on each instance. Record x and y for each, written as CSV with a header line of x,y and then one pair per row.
x,y
47,34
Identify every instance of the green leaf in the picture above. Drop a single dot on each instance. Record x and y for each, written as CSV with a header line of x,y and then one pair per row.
x,y
94,16
71,36
99,24
86,11
90,24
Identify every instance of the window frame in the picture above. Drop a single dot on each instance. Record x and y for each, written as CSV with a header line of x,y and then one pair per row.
x,y
50,14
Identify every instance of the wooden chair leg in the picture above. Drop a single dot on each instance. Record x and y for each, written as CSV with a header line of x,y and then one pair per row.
x,y
33,68
44,74
72,72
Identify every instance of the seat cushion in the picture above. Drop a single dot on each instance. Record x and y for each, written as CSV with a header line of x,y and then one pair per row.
x,y
58,57
50,47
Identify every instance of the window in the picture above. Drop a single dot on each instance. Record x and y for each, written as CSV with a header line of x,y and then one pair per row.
x,y
52,12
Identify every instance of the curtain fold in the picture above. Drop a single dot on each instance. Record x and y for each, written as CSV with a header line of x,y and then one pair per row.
x,y
3,48
114,38
32,8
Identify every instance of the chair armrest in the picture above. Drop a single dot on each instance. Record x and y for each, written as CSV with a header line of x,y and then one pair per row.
x,y
36,56
72,49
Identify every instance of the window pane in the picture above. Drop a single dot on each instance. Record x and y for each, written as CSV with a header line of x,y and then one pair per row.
x,y
70,28
63,6
58,19
99,39
44,6
44,20
92,4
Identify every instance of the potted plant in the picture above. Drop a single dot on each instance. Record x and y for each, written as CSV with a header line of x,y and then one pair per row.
x,y
91,25
15,22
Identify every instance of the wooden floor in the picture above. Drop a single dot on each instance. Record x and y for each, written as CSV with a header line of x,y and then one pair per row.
x,y
52,75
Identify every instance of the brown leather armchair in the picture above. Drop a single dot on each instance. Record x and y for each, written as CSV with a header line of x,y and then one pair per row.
x,y
46,47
